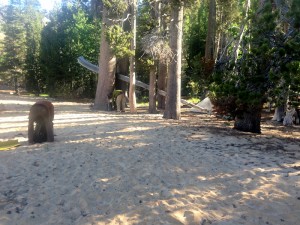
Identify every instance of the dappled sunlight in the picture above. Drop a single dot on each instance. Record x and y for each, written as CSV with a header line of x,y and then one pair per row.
x,y
203,137
81,140
210,178
125,218
122,168
9,115
197,202
67,117
136,128
10,122
189,215
17,102
80,122
13,128
64,103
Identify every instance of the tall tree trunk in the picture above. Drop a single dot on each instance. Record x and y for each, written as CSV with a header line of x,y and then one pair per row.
x,y
216,47
152,90
132,96
96,8
241,33
156,15
173,100
162,68
161,84
122,68
16,84
211,30
123,63
107,62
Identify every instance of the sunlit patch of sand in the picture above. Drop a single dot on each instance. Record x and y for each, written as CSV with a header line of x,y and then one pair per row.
x,y
122,168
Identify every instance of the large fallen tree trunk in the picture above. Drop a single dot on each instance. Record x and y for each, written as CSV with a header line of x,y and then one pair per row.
x,y
85,63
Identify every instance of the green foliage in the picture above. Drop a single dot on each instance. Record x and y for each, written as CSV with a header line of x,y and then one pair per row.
x,y
242,84
195,29
146,24
269,67
14,48
119,41
231,15
198,70
70,34
34,26
44,57
115,7
144,20
186,3
295,13
194,100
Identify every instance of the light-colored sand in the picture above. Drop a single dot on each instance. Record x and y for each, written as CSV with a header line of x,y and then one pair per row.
x,y
110,168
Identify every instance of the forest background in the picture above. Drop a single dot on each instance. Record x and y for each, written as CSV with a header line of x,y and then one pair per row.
x,y
240,53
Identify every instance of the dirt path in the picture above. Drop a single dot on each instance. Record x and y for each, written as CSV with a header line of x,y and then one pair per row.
x,y
112,168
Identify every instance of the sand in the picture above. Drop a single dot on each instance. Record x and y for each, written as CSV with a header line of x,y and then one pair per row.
x,y
122,168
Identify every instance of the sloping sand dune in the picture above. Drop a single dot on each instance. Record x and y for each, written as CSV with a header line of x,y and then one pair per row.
x,y
113,168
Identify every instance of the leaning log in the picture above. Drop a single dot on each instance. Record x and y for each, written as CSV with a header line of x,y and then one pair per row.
x,y
85,63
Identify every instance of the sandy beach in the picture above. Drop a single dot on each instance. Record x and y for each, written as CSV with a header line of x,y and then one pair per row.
x,y
122,168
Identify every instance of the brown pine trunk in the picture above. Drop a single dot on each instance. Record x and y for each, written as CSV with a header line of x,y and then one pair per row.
x,y
107,62
216,47
211,30
122,68
161,66
123,63
132,96
152,89
173,100
96,8
249,120
161,84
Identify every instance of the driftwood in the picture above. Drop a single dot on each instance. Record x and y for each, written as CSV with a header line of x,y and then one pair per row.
x,y
85,63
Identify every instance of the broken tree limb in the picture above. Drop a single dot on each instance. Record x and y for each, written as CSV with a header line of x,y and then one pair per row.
x,y
161,92
85,63
94,68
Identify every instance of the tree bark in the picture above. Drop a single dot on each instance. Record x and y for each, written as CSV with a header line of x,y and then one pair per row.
x,y
279,113
161,84
216,47
107,67
162,67
132,96
173,110
211,30
241,33
96,8
152,90
122,68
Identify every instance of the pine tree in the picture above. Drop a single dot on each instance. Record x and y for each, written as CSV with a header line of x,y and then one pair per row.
x,y
113,44
173,99
195,78
69,34
14,43
269,59
33,25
